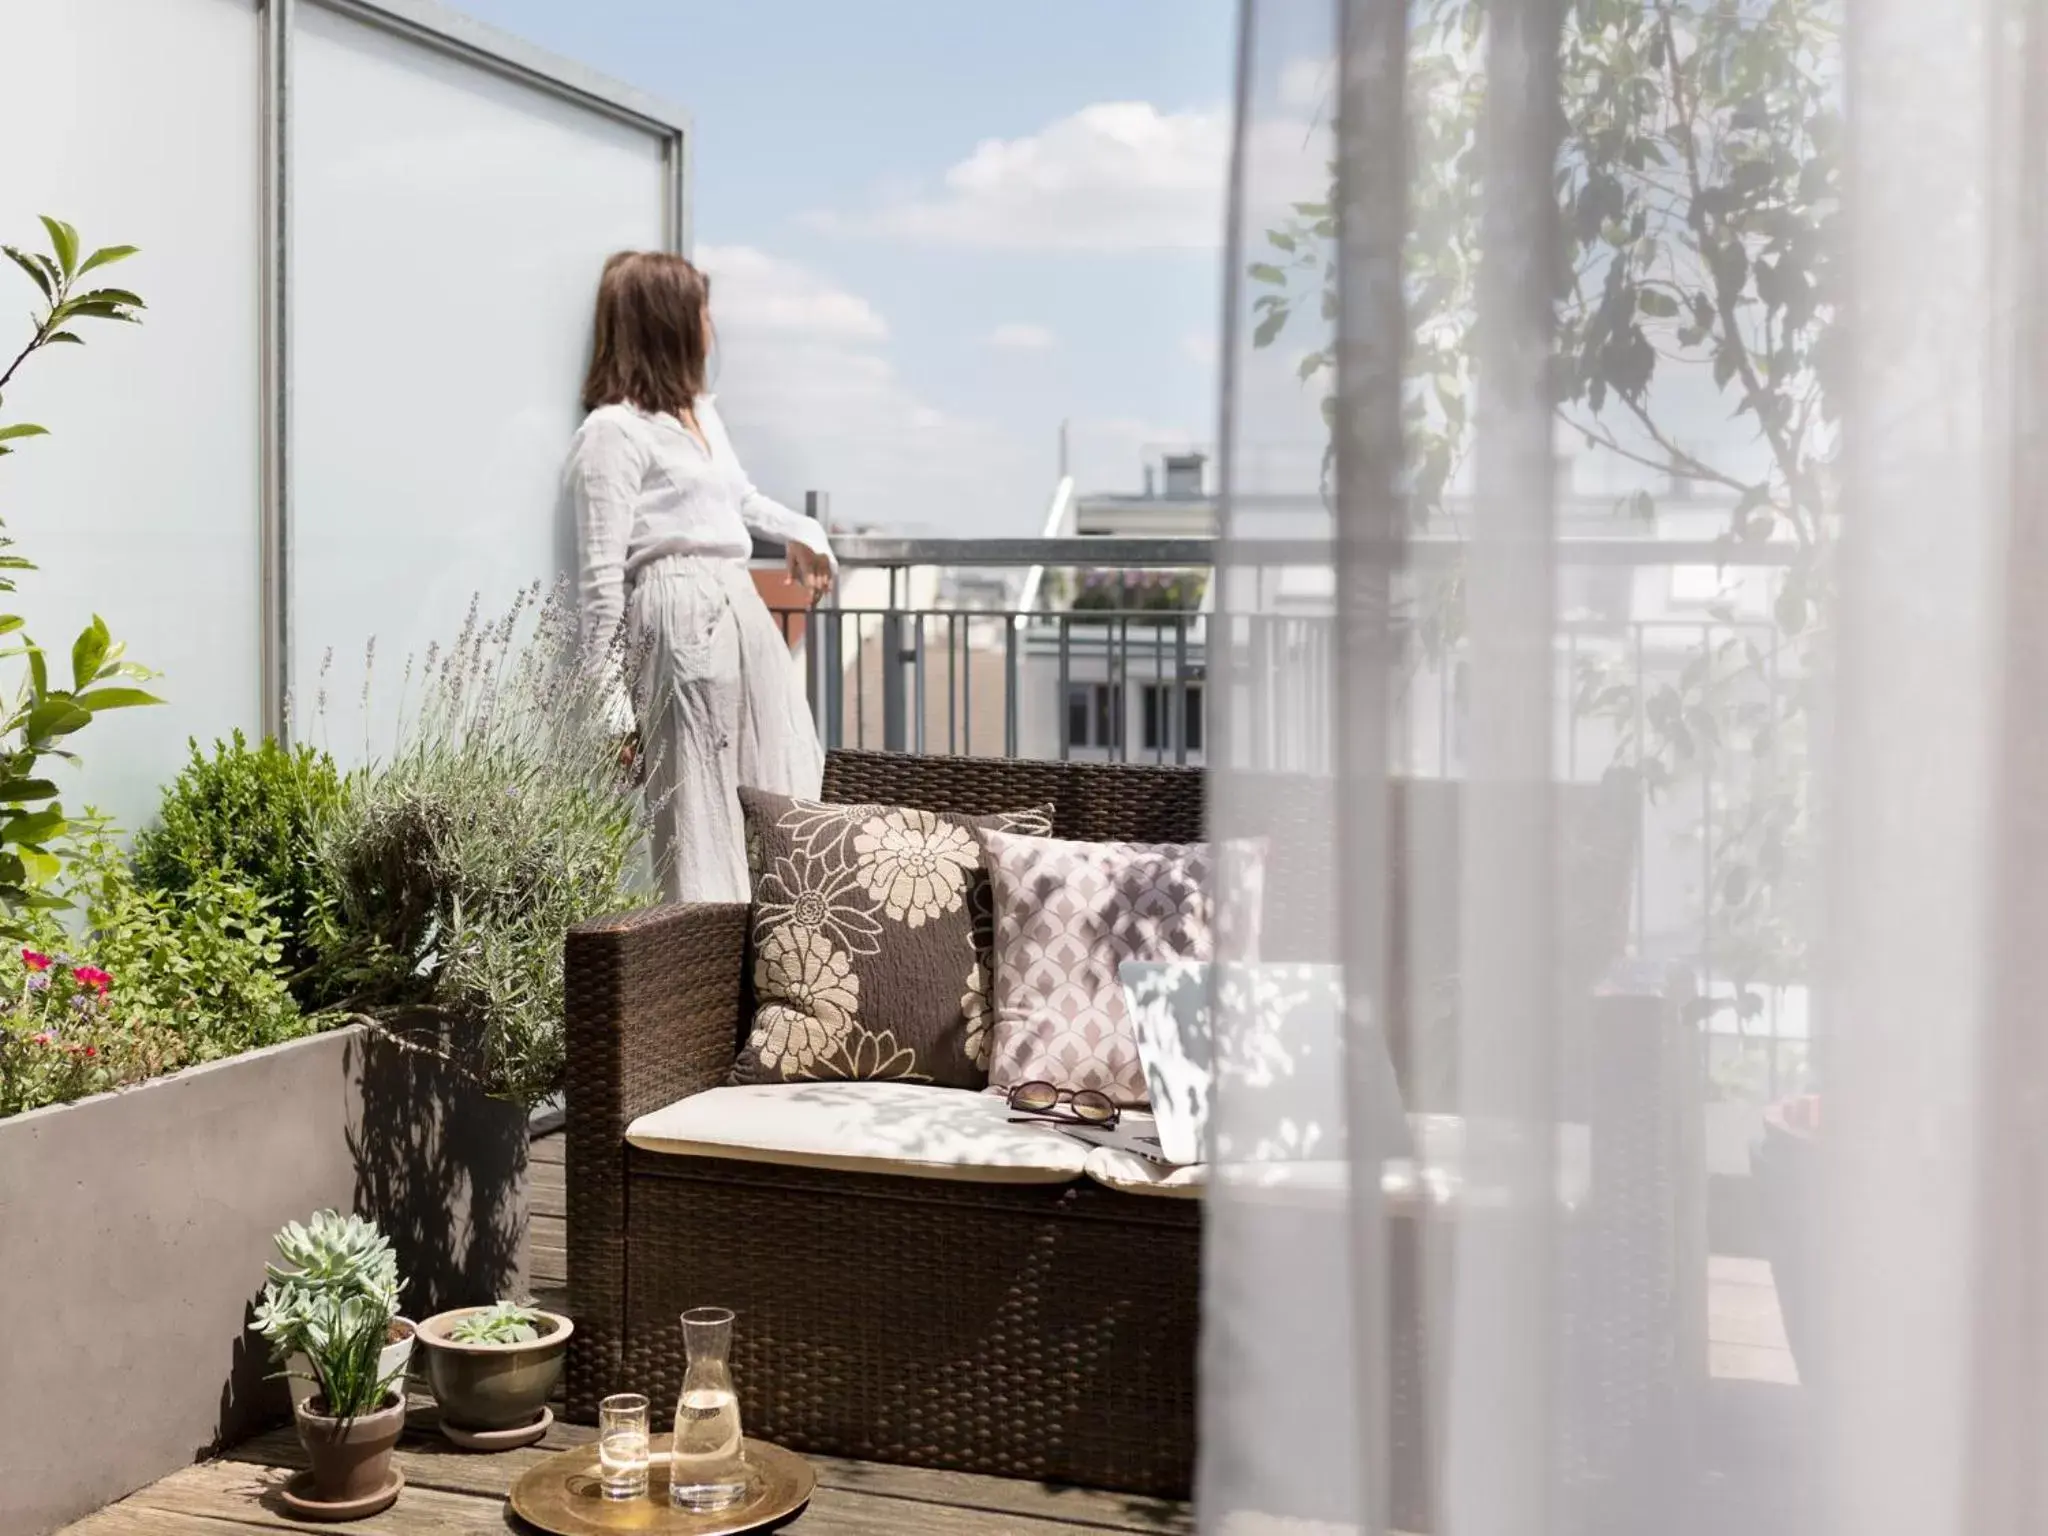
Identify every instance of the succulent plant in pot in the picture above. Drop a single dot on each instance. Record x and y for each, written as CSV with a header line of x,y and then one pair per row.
x,y
492,1370
330,1255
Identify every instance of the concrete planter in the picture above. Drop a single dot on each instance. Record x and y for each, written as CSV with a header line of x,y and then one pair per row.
x,y
134,1228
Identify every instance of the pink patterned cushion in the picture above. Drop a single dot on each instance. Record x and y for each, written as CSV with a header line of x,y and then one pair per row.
x,y
1067,915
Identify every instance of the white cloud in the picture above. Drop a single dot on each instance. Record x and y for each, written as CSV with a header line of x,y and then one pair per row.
x,y
1199,347
1021,336
766,295
1115,176
814,403
1118,175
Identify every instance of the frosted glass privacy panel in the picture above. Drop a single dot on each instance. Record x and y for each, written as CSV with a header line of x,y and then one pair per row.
x,y
137,121
450,225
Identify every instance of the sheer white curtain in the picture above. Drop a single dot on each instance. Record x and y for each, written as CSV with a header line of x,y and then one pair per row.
x,y
1630,647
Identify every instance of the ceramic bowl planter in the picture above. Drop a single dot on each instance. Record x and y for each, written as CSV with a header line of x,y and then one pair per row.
x,y
393,1362
351,1475
494,1395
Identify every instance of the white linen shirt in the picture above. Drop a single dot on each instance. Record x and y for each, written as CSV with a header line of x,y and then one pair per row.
x,y
643,487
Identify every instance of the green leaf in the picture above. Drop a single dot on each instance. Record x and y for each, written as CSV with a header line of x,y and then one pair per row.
x,y
1657,303
55,717
115,698
88,651
16,791
112,296
39,868
1266,272
28,265
32,827
105,255
64,336
1268,328
39,671
64,240
23,429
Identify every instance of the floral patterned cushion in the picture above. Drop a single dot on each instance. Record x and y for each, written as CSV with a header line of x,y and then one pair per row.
x,y
871,934
1067,915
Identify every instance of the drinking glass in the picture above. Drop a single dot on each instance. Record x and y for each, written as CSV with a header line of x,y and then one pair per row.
x,y
622,1446
707,1468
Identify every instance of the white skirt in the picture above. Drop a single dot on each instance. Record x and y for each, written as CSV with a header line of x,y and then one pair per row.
x,y
720,704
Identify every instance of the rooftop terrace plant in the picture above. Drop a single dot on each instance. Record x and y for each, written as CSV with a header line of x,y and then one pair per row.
x,y
38,717
502,818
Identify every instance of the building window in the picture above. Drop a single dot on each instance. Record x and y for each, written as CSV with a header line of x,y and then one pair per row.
x,y
1095,714
1156,707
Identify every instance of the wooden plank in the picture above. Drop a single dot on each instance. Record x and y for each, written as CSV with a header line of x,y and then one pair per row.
x,y
549,1232
127,1519
1090,1507
551,1148
429,1462
547,1267
245,1493
220,1497
547,1191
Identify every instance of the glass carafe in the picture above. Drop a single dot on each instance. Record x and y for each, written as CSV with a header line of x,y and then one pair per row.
x,y
707,1469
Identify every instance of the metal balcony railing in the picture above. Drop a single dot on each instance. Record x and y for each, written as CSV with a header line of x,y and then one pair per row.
x,y
893,663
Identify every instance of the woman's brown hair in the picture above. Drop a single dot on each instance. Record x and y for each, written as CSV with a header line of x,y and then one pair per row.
x,y
648,343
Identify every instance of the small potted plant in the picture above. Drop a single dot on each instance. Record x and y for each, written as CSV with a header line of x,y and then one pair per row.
x,y
333,1255
492,1370
351,1422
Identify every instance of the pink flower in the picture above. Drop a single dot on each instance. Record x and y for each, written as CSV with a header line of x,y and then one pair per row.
x,y
34,960
93,977
43,1038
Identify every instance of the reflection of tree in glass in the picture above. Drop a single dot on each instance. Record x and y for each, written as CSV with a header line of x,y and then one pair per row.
x,y
1698,189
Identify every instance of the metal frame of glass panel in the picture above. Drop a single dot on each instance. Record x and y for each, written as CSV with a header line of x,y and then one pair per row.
x,y
435,26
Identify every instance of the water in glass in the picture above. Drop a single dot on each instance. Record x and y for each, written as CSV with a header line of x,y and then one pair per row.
x,y
707,1466
622,1449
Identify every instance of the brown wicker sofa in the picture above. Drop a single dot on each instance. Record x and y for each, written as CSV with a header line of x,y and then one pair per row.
x,y
1044,1331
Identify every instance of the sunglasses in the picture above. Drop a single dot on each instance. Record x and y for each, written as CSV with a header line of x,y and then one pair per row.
x,y
1084,1106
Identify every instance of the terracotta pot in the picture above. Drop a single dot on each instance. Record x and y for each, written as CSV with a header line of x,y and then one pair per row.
x,y
493,1386
397,1353
351,1457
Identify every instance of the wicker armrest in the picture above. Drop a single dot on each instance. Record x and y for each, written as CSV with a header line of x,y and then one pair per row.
x,y
652,1010
651,1014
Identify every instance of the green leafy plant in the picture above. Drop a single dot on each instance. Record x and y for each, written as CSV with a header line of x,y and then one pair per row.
x,y
151,984
343,1339
39,717
252,813
1139,591
331,1252
502,819
332,1300
506,1322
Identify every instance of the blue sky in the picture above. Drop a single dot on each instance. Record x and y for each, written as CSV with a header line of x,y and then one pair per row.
x,y
937,227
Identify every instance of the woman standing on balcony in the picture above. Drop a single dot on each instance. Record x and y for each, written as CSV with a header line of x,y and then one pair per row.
x,y
664,524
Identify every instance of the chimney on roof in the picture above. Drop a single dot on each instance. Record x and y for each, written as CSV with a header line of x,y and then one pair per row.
x,y
1184,476
1149,491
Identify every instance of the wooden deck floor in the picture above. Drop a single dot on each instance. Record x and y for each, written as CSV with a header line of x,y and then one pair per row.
x,y
452,1493
449,1492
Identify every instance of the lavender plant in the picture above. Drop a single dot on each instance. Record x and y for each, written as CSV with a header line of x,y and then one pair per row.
x,y
502,818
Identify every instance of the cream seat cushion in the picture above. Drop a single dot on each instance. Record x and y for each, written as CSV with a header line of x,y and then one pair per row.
x,y
1434,1177
910,1129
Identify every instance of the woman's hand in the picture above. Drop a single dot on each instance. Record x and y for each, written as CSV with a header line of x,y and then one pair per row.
x,y
809,569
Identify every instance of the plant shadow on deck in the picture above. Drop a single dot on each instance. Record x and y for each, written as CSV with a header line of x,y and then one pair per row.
x,y
440,1165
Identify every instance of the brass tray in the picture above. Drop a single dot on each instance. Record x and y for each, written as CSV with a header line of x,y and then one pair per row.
x,y
562,1496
